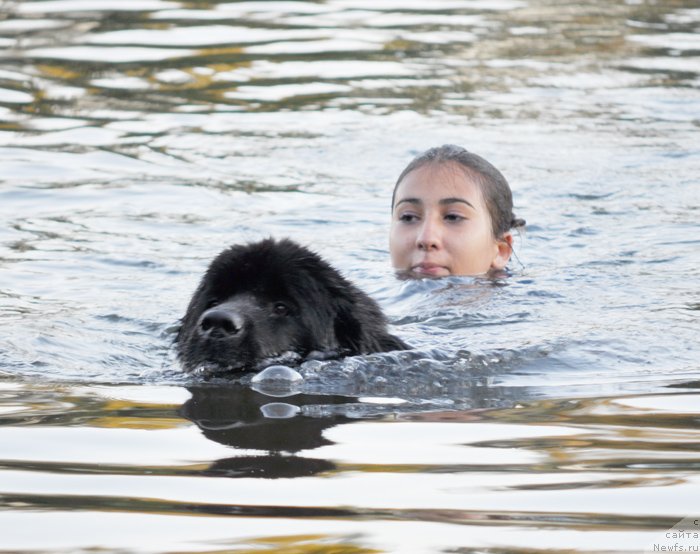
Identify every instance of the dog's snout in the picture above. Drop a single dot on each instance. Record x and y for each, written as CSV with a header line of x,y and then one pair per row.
x,y
221,322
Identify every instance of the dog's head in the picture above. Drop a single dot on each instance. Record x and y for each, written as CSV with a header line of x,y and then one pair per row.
x,y
276,300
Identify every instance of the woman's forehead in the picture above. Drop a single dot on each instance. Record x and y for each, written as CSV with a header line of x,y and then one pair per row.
x,y
439,180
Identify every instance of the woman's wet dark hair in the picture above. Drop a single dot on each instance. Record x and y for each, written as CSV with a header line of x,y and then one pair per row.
x,y
494,187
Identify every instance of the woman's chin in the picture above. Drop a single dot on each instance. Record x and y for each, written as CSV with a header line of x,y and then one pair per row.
x,y
420,272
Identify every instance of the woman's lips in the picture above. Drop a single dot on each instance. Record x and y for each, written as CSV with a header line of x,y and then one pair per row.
x,y
430,269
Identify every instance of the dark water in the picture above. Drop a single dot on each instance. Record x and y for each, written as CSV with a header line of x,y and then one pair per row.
x,y
555,411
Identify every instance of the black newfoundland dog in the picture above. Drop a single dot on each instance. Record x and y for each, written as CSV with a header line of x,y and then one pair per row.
x,y
277,302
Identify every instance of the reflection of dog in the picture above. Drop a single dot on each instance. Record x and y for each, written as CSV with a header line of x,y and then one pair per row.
x,y
276,299
233,415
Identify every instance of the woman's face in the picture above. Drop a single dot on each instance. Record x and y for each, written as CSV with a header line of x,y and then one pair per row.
x,y
440,225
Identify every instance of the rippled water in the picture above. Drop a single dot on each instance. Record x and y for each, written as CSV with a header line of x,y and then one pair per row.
x,y
556,410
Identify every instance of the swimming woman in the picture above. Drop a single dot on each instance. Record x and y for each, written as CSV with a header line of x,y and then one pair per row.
x,y
452,214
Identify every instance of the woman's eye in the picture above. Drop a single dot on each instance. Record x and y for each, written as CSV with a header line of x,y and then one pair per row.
x,y
280,309
454,218
408,218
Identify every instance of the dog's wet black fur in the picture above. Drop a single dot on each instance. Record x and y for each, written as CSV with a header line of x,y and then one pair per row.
x,y
276,301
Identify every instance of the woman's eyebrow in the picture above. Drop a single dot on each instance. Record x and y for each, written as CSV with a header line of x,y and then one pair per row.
x,y
409,201
453,200
442,201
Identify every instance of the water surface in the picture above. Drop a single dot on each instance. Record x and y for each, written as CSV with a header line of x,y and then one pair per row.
x,y
555,410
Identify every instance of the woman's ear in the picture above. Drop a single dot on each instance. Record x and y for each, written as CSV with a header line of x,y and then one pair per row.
x,y
504,248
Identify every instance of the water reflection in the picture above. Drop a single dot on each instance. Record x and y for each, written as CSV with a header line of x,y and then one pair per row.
x,y
473,467
156,56
240,417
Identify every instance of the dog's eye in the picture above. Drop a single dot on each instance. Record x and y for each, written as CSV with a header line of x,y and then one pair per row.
x,y
280,309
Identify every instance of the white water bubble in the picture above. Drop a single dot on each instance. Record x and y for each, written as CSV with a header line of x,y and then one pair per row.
x,y
279,410
278,373
277,380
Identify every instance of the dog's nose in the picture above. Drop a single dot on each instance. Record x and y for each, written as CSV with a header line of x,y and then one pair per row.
x,y
221,321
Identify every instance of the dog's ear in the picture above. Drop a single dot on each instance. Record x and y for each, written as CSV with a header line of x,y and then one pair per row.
x,y
360,328
348,329
389,343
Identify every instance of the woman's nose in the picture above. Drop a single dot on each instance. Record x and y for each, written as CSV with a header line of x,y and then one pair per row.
x,y
429,236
